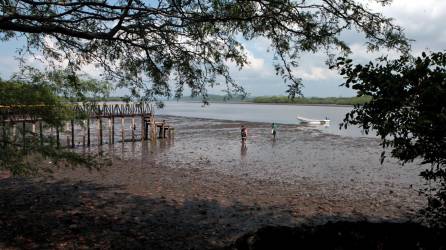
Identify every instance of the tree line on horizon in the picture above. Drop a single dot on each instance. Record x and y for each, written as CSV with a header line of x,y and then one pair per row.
x,y
354,100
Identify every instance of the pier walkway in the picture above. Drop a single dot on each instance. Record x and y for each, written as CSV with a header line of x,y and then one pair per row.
x,y
24,119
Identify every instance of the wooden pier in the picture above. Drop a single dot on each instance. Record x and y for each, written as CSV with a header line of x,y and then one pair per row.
x,y
108,118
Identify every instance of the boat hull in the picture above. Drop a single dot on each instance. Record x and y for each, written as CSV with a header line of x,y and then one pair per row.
x,y
312,121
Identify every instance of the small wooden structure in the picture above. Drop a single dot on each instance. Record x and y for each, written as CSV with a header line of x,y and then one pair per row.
x,y
164,128
10,116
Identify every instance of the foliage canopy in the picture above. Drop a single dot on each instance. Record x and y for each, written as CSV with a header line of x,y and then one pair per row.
x,y
407,110
189,43
43,97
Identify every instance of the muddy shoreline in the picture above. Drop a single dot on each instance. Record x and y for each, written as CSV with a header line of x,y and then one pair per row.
x,y
201,190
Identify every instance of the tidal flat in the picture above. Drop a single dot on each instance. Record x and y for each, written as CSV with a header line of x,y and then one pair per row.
x,y
201,189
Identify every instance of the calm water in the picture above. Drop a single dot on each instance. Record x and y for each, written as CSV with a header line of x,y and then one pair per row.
x,y
285,114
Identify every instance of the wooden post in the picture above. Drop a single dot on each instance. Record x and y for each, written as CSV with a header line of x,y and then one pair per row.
x,y
24,135
97,129
14,132
133,129
122,129
5,139
72,133
113,130
146,130
41,132
88,131
84,132
51,136
100,130
163,130
161,133
152,128
109,131
57,137
143,127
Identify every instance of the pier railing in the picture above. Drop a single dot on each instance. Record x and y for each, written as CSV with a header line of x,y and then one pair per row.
x,y
32,113
28,116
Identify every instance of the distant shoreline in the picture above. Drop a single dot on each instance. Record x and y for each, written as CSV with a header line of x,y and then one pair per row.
x,y
305,102
271,103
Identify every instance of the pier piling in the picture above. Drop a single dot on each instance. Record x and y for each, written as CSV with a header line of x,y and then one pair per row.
x,y
122,129
41,132
113,130
109,131
57,137
143,127
133,129
14,132
72,133
10,116
100,130
24,135
88,132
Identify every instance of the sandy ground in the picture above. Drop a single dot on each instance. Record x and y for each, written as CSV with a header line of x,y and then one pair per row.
x,y
202,190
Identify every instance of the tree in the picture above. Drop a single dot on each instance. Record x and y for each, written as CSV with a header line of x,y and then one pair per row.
x,y
189,42
43,97
65,83
408,112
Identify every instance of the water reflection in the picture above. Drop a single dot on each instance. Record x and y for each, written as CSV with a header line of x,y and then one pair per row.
x,y
243,150
273,142
122,150
100,150
111,150
144,150
133,148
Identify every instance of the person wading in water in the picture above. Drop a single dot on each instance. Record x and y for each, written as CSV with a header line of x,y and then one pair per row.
x,y
244,134
274,130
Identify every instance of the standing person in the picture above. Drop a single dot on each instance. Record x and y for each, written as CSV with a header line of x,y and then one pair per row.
x,y
244,133
274,130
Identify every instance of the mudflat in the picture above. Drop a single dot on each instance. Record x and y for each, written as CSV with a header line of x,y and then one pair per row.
x,y
202,190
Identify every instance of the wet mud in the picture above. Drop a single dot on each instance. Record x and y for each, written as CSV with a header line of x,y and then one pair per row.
x,y
203,189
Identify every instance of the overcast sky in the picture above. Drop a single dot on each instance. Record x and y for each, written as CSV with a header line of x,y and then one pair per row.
x,y
423,21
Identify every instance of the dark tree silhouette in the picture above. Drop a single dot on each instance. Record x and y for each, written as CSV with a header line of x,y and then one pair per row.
x,y
408,112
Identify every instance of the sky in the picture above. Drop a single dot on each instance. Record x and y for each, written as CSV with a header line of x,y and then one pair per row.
x,y
422,21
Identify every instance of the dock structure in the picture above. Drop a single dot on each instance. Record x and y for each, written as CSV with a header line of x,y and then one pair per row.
x,y
80,130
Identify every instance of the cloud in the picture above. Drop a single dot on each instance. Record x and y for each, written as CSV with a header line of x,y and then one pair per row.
x,y
315,73
360,54
255,63
422,21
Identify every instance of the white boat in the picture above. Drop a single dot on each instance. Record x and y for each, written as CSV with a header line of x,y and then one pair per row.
x,y
308,121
